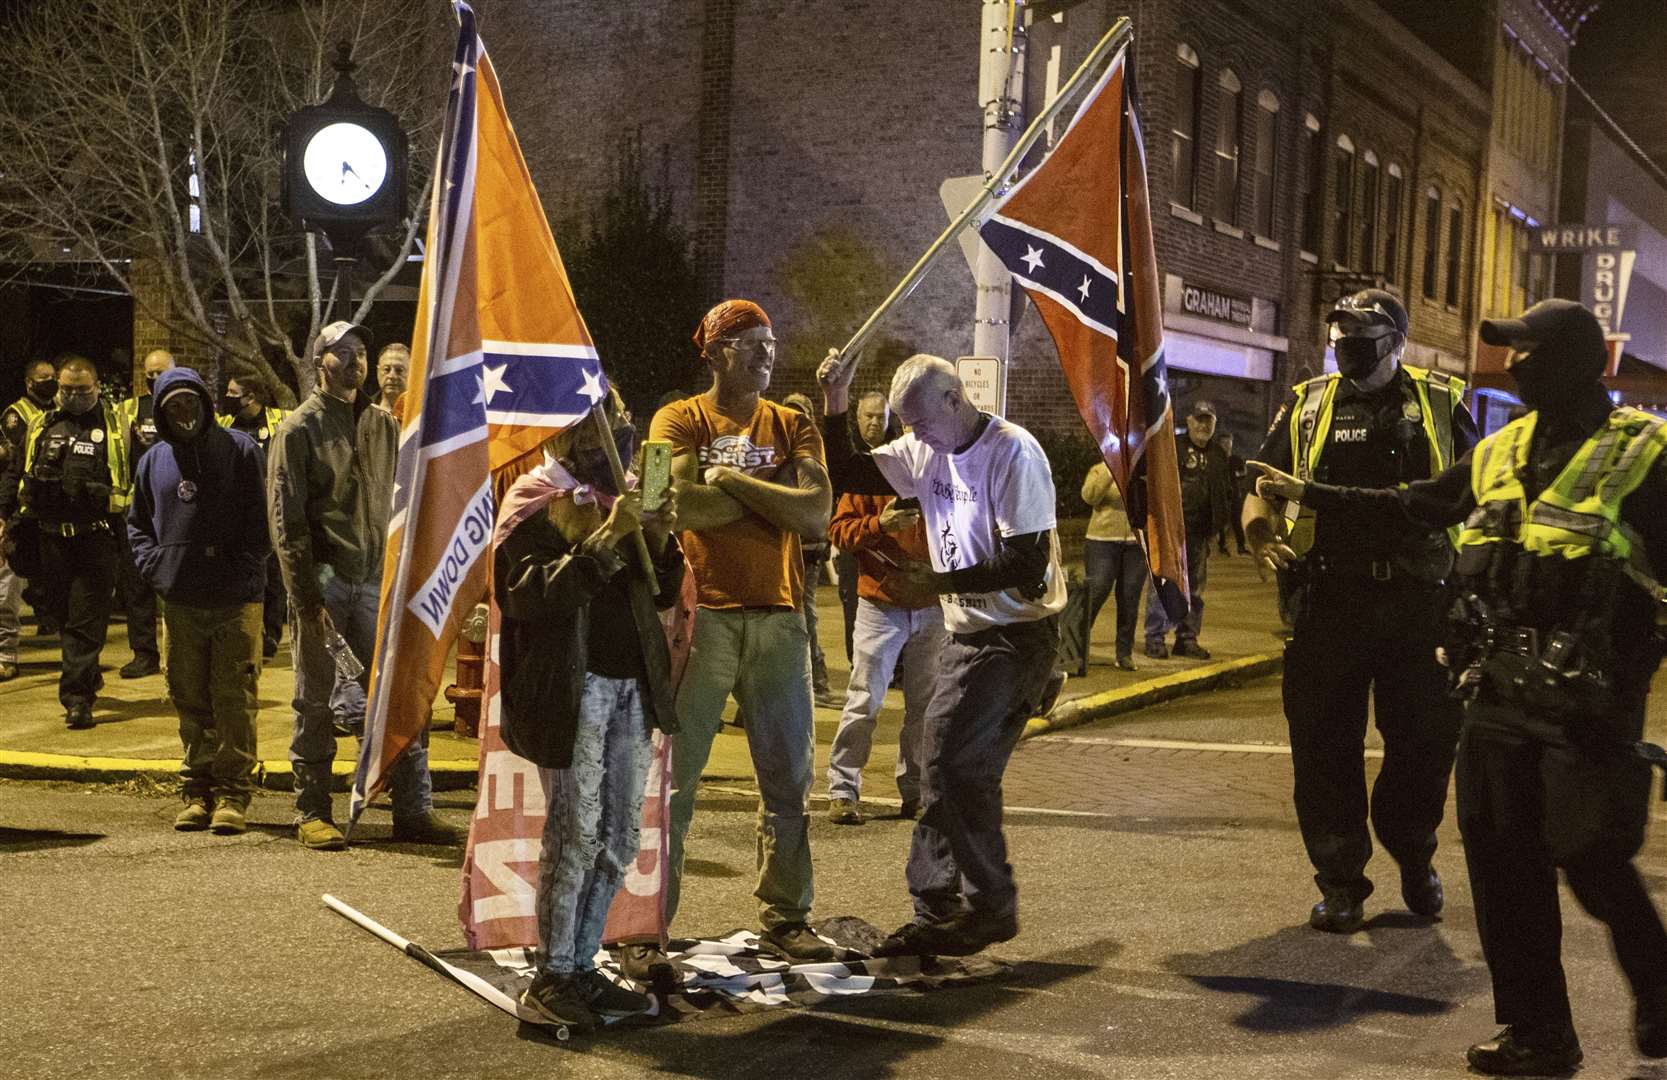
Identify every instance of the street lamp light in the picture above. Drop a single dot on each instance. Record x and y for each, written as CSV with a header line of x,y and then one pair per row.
x,y
344,171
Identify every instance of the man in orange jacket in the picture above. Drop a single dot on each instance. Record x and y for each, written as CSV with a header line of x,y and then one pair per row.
x,y
893,626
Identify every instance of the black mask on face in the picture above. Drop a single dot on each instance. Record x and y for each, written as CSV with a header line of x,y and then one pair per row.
x,y
43,390
1357,357
592,467
231,404
1542,383
150,384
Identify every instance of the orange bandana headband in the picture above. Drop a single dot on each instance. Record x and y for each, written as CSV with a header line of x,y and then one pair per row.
x,y
728,319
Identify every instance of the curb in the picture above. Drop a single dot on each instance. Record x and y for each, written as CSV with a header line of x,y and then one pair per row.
x,y
1086,710
458,775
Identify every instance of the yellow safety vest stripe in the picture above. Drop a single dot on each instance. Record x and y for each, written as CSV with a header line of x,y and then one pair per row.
x,y
115,455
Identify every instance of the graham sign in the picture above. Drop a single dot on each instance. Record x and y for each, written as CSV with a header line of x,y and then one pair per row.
x,y
1220,306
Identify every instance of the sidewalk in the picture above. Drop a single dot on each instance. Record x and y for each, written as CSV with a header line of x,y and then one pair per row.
x,y
137,732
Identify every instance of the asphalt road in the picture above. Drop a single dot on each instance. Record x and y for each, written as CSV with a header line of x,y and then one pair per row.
x,y
1163,899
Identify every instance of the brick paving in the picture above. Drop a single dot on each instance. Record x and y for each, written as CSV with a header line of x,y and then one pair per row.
x,y
1105,776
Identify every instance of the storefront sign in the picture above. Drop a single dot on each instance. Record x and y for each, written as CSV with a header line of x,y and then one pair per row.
x,y
1582,239
1210,304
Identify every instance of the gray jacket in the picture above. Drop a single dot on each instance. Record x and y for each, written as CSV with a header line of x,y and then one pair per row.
x,y
329,490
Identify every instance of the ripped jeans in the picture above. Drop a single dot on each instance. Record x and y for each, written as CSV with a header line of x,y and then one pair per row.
x,y
592,819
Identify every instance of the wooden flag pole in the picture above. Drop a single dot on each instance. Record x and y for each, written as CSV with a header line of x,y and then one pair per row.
x,y
606,431
1114,39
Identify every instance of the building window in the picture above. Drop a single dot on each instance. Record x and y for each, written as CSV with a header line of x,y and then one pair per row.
x,y
1392,225
1369,211
1313,182
1267,159
1226,207
1455,249
1183,131
1432,241
1342,204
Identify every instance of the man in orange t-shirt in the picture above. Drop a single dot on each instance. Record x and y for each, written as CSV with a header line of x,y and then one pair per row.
x,y
751,480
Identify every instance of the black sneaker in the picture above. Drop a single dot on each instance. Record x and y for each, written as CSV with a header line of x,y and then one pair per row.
x,y
1051,692
1422,891
795,942
559,999
909,810
644,963
974,931
916,939
603,995
1125,662
426,828
78,717
1338,913
141,666
1521,1051
1157,650
1649,1023
1191,650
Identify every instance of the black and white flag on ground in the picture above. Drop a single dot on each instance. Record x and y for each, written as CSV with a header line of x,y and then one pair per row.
x,y
724,975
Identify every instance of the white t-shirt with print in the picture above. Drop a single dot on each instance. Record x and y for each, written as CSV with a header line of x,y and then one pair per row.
x,y
1001,485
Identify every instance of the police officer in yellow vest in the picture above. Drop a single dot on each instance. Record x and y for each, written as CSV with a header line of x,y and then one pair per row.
x,y
72,483
247,406
1555,637
1367,610
40,387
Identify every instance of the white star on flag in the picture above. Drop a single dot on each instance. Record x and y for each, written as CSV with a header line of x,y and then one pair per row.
x,y
1033,257
494,382
1083,288
592,389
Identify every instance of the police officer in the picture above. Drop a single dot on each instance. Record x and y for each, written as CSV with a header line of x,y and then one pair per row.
x,y
1555,639
1368,604
248,408
138,414
72,483
40,386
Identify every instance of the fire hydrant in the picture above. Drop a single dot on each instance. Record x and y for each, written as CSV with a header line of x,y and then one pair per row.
x,y
465,693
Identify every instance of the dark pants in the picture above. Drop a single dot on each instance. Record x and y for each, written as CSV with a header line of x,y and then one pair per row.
x,y
989,684
138,601
1117,565
1192,623
1357,638
213,678
275,604
845,564
1528,808
83,570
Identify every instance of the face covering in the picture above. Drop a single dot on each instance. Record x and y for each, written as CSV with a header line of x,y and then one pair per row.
x,y
43,389
77,402
592,467
150,384
1540,382
231,404
1357,357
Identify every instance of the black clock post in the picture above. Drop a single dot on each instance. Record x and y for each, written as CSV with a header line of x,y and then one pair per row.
x,y
344,172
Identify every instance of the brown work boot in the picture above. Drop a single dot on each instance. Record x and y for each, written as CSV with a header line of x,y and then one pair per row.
x,y
195,816
320,835
229,817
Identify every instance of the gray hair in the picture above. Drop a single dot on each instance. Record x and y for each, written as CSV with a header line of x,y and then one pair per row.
x,y
934,372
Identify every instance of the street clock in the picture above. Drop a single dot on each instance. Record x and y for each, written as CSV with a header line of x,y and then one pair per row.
x,y
344,162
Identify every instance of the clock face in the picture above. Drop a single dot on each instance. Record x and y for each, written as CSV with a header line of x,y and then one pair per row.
x,y
345,163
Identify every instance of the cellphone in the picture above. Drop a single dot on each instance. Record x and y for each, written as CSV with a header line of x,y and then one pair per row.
x,y
887,559
907,504
656,473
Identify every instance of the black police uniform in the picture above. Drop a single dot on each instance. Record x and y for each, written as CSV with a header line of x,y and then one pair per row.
x,y
275,605
138,598
66,488
1366,608
1536,795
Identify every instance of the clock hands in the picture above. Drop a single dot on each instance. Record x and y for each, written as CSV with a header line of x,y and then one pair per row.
x,y
346,169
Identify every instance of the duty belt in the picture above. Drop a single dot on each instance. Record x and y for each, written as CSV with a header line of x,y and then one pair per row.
x,y
70,528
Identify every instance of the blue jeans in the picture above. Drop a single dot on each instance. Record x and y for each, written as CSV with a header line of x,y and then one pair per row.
x,y
886,635
592,822
1187,630
312,749
1120,566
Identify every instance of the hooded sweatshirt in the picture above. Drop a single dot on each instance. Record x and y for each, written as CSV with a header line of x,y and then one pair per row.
x,y
198,520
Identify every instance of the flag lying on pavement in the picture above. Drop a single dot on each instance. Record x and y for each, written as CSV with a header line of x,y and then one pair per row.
x,y
500,361
1076,233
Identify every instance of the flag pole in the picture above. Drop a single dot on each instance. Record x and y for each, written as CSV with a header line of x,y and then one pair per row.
x,y
1115,38
606,432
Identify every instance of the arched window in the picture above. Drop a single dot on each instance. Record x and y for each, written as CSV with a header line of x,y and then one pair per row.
x,y
1313,181
1455,251
1228,137
1267,159
1369,211
1393,199
1432,240
1183,127
1342,205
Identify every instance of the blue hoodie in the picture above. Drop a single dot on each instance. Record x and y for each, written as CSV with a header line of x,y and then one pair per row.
x,y
198,520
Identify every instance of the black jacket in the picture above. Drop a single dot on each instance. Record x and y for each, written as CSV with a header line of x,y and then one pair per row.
x,y
544,589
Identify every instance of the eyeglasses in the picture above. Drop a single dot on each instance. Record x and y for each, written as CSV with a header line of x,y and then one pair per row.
x,y
79,395
746,345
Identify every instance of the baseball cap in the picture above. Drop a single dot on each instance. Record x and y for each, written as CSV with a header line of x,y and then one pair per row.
x,y
1564,325
335,332
1370,307
1202,408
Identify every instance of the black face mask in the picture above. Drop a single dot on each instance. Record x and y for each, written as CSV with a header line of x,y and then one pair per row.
x,y
43,389
150,384
1542,383
1357,357
231,404
592,466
